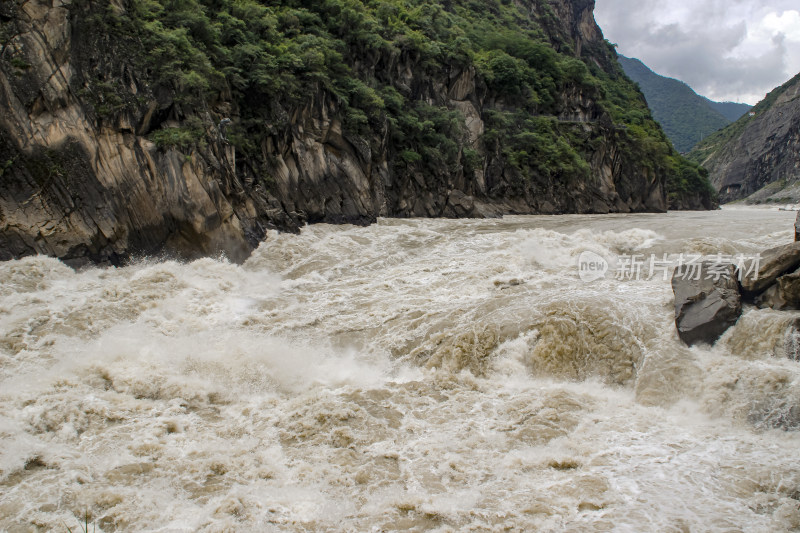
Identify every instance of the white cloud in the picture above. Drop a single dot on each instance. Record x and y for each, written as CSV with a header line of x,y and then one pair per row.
x,y
787,23
727,50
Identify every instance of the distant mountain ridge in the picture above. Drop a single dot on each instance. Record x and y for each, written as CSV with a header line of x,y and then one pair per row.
x,y
685,116
733,111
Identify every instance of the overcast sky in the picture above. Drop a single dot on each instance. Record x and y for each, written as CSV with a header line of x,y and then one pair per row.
x,y
735,50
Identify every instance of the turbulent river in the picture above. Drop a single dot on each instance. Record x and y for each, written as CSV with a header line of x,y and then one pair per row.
x,y
448,375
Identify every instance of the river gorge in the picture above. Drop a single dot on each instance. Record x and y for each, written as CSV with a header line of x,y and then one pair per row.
x,y
415,374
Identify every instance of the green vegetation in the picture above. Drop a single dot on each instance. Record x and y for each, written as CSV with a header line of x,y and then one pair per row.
x,y
21,64
106,97
689,180
192,133
274,58
430,132
685,116
537,144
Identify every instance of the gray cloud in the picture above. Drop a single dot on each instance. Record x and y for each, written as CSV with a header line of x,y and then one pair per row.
x,y
726,50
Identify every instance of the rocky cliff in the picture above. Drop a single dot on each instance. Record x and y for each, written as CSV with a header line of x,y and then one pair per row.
x,y
758,156
142,127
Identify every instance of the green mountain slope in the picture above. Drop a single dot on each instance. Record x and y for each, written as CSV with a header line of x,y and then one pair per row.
x,y
685,116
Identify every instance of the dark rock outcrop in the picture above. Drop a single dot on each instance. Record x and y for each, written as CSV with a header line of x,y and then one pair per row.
x,y
703,201
782,295
707,301
772,264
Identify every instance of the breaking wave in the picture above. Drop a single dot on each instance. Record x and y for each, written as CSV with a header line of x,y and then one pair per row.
x,y
410,375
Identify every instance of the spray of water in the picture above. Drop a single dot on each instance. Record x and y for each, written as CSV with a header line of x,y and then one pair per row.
x,y
411,375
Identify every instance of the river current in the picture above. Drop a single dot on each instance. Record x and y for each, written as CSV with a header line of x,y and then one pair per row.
x,y
413,375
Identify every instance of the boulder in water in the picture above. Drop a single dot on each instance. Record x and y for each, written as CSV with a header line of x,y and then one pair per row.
x,y
772,263
784,294
707,301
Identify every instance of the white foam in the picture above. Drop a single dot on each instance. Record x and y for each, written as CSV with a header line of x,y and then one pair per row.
x,y
394,377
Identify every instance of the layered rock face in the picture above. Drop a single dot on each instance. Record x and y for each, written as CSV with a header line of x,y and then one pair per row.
x,y
758,157
81,190
85,187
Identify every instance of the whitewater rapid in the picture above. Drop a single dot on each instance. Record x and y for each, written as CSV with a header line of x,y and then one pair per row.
x,y
445,375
